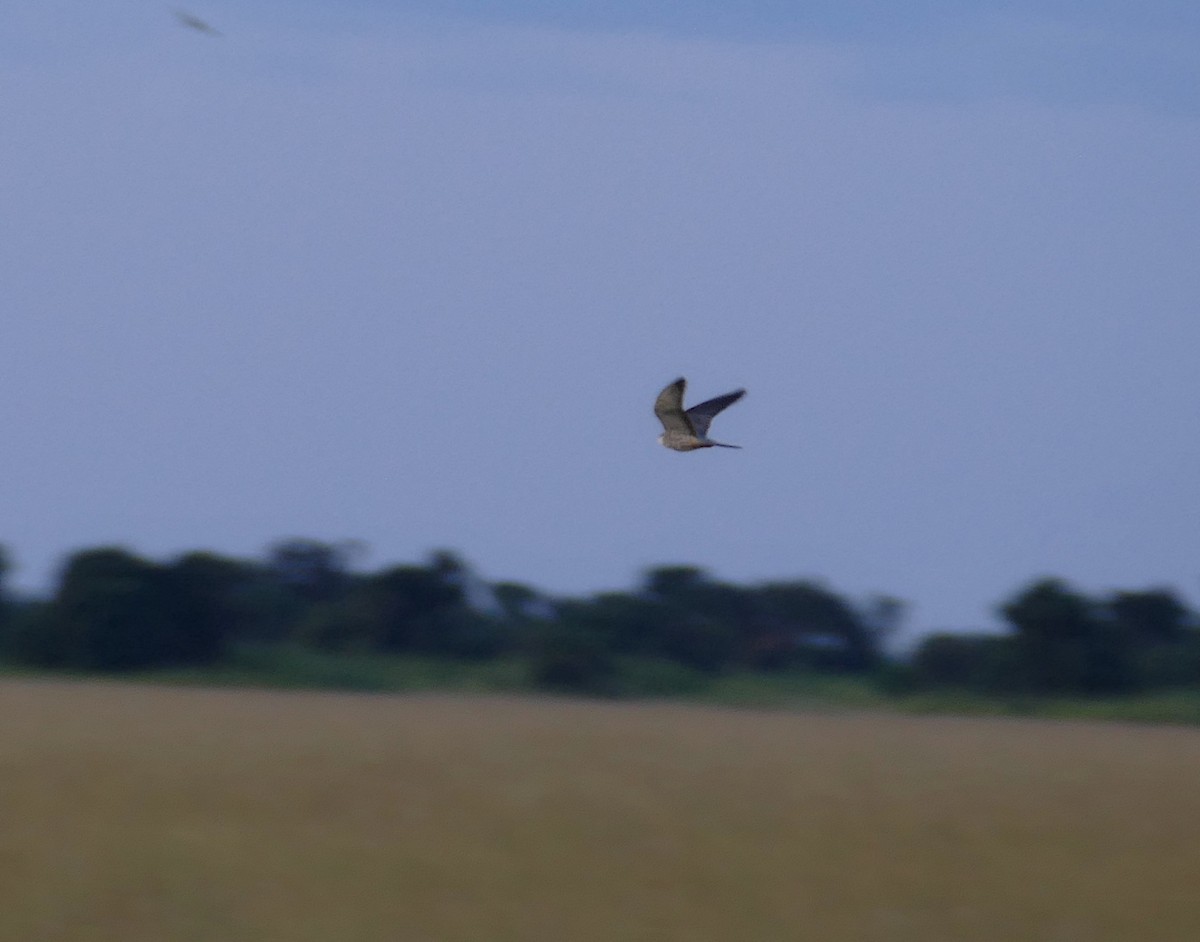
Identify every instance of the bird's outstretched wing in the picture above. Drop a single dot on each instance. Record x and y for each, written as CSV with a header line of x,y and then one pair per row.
x,y
669,409
701,416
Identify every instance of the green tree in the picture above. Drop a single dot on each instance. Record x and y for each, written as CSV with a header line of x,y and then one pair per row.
x,y
519,603
1064,642
693,619
1162,632
5,605
622,622
111,612
825,629
302,581
976,662
1149,617
413,608
206,598
677,583
568,657
314,570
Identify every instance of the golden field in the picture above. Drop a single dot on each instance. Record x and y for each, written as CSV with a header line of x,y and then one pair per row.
x,y
134,812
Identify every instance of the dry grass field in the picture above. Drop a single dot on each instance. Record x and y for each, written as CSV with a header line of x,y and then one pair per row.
x,y
132,813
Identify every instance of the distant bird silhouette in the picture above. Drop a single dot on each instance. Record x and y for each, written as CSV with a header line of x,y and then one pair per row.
x,y
194,22
687,431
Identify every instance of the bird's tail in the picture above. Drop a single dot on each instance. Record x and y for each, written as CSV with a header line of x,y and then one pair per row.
x,y
723,445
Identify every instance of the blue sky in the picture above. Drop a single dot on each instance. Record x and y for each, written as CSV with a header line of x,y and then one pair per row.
x,y
413,274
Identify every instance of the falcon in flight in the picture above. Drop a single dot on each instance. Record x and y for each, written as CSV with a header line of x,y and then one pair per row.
x,y
688,430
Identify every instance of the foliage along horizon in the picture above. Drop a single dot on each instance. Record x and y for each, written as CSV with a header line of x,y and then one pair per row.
x,y
115,611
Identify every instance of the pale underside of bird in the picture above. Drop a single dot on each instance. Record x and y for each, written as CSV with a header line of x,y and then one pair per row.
x,y
687,430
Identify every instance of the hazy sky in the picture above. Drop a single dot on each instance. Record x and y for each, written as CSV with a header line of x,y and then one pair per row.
x,y
413,273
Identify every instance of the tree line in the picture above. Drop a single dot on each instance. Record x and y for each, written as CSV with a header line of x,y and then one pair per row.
x,y
113,610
